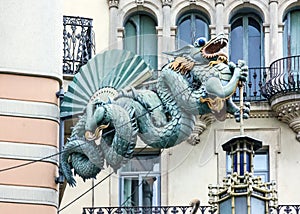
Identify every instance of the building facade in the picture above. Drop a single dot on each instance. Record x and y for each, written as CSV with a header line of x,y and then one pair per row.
x,y
259,32
264,33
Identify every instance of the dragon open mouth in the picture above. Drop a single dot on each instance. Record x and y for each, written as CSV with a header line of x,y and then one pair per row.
x,y
213,47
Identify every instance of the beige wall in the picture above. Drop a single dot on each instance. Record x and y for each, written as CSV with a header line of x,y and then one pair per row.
x,y
30,76
96,10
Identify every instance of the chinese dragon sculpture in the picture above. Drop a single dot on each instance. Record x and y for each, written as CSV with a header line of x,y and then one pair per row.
x,y
112,112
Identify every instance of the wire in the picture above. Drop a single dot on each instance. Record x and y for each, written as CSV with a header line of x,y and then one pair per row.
x,y
53,155
138,185
85,192
93,187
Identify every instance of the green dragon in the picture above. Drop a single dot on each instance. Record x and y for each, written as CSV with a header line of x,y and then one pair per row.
x,y
199,80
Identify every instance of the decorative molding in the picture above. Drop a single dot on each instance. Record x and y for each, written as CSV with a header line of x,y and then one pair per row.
x,y
22,151
290,114
167,3
28,195
113,3
18,108
201,124
139,2
15,71
219,2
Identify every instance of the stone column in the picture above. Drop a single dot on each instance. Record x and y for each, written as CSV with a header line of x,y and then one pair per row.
x,y
113,23
166,30
219,16
31,42
273,12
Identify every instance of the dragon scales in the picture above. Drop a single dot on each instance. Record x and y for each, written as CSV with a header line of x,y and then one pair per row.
x,y
113,112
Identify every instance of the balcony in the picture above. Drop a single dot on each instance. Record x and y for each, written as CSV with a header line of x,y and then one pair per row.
x,y
282,91
78,40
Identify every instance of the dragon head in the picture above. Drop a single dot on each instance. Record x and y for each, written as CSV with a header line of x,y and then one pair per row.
x,y
211,50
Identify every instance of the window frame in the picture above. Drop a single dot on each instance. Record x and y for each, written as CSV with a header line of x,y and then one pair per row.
x,y
287,32
245,26
136,19
264,150
140,175
193,16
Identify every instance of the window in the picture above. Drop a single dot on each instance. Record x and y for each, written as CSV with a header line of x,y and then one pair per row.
x,y
190,27
141,39
140,181
292,33
261,164
246,40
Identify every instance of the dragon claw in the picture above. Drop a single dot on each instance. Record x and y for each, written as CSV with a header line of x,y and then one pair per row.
x,y
246,112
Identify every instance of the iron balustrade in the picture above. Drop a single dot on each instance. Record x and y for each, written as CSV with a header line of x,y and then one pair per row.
x,y
252,89
284,77
78,40
146,210
286,209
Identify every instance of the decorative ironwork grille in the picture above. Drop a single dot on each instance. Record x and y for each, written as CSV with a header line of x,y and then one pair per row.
x,y
146,210
78,41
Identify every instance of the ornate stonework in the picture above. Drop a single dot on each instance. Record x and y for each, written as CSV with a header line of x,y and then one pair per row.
x,y
219,2
290,114
201,124
113,3
166,2
139,2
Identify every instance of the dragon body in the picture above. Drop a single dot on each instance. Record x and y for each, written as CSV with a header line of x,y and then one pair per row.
x,y
198,81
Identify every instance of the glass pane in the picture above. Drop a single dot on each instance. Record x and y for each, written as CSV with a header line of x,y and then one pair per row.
x,y
201,29
184,32
228,164
148,41
236,41
130,191
295,32
225,207
261,162
257,206
130,42
254,44
241,205
150,191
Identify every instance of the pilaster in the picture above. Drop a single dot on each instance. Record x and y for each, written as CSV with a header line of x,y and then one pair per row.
x,y
113,19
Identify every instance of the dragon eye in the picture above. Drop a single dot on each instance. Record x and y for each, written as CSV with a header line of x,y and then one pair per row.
x,y
200,42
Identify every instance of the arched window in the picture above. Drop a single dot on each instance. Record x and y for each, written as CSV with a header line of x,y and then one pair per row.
x,y
190,27
246,40
140,38
292,33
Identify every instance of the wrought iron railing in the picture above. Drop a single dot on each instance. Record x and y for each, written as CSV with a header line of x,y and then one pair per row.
x,y
284,77
286,209
281,209
78,43
252,91
146,210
